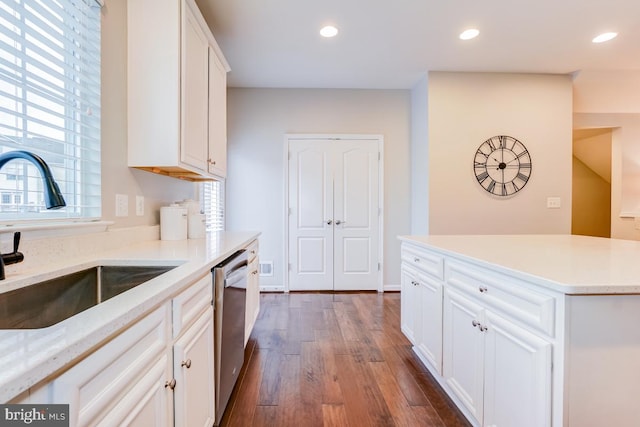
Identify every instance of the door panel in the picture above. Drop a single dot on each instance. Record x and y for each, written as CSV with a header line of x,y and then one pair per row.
x,y
333,214
463,351
356,207
518,367
310,207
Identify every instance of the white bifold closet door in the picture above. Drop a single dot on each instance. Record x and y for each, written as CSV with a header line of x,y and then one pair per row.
x,y
334,226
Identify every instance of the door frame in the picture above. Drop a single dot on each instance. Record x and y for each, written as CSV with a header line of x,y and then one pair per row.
x,y
333,137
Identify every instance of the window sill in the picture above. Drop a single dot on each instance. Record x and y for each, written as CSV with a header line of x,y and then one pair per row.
x,y
55,228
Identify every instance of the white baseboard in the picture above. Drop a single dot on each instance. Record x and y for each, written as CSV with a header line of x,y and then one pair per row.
x,y
391,288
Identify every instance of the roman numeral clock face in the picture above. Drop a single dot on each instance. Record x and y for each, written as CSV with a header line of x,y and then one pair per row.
x,y
502,165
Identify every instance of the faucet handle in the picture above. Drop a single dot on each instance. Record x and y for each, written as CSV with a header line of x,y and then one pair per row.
x,y
16,241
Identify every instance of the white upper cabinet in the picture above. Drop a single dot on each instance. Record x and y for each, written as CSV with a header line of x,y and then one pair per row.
x,y
176,91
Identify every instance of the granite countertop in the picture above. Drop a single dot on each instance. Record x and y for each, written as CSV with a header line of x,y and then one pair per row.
x,y
29,356
564,263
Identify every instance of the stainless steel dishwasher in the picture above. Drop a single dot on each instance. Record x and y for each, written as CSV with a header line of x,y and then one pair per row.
x,y
230,295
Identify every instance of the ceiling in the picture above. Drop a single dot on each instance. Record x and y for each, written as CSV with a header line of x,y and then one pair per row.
x,y
391,44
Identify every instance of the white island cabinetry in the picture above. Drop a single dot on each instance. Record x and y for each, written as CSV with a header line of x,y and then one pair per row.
x,y
534,329
177,91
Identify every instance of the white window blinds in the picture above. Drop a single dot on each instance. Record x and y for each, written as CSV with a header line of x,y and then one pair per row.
x,y
212,201
50,105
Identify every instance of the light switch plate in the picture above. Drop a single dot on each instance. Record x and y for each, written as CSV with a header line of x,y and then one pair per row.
x,y
553,202
122,205
139,205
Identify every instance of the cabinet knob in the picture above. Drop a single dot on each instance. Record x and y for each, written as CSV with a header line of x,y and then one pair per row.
x,y
186,363
483,328
416,259
171,384
475,323
483,289
338,222
254,272
329,222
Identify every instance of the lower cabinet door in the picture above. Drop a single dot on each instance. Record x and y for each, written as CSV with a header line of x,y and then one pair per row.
x,y
463,351
148,403
428,334
407,303
253,299
112,376
517,376
193,369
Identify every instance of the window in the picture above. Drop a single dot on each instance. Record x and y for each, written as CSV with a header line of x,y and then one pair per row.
x,y
212,201
50,104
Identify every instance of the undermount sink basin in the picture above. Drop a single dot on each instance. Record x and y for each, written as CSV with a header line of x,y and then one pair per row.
x,y
49,302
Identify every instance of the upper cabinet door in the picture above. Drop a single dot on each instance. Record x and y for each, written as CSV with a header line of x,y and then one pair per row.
x,y
195,103
217,116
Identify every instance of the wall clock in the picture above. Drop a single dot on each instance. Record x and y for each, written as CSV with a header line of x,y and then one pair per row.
x,y
502,165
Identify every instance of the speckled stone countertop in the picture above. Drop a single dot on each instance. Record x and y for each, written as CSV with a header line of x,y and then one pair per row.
x,y
29,356
564,263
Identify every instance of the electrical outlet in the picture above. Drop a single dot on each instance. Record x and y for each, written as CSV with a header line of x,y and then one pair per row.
x,y
553,202
139,205
122,205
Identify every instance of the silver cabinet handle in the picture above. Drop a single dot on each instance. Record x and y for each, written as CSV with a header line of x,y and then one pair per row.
x,y
483,289
483,328
338,222
329,222
171,384
475,323
186,363
416,260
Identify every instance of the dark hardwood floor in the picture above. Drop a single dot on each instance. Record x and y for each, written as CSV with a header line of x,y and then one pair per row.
x,y
324,359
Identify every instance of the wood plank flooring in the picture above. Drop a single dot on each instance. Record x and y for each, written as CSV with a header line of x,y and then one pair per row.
x,y
325,359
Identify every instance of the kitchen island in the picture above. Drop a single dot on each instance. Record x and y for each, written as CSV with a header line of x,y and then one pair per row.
x,y
529,330
170,304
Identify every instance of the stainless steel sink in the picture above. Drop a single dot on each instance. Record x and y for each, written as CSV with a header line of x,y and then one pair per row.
x,y
49,302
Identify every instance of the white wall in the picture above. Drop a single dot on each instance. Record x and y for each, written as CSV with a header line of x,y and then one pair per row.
x,y
420,158
117,178
258,119
465,109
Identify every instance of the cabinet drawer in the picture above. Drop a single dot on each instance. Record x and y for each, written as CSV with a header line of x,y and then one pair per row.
x,y
425,261
509,295
190,303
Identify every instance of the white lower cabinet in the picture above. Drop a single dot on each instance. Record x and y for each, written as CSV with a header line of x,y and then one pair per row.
x,y
122,380
146,375
428,330
517,370
487,338
499,371
421,314
147,403
408,311
193,371
463,348
252,308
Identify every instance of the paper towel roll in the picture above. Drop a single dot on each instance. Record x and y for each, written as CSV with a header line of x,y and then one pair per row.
x,y
173,222
197,226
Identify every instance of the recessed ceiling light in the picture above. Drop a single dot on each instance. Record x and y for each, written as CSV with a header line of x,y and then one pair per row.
x,y
329,31
604,37
469,34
